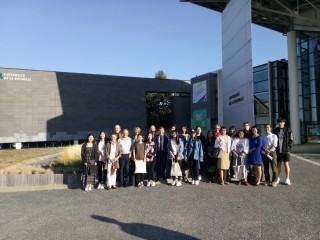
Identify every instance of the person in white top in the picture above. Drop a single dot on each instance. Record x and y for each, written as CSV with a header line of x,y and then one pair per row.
x,y
269,156
224,143
240,149
126,147
102,172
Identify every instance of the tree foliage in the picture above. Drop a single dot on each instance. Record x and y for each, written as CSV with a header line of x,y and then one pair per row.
x,y
160,75
159,106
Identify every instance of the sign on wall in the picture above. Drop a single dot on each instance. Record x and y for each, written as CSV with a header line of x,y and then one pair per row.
x,y
199,92
200,118
14,77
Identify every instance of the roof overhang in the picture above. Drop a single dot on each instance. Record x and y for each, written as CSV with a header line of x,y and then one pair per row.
x,y
279,15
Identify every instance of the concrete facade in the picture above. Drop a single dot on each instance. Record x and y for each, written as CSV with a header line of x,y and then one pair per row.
x,y
56,106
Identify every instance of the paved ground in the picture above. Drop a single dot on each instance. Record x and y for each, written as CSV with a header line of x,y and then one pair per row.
x,y
207,211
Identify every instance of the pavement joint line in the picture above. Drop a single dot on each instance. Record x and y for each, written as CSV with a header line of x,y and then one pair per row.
x,y
306,160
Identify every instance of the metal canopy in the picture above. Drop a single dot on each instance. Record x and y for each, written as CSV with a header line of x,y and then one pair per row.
x,y
279,15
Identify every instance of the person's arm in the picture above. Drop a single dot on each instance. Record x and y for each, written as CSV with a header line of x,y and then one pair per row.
x,y
290,140
83,154
145,153
134,152
200,152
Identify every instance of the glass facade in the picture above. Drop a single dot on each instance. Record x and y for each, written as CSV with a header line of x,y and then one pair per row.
x,y
271,93
308,51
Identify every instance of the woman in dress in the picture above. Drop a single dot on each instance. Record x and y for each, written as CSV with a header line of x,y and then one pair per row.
x,y
102,172
255,159
139,154
194,157
202,138
89,160
113,153
209,163
151,148
185,137
240,149
175,154
224,143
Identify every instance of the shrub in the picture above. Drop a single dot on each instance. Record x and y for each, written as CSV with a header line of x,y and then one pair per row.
x,y
70,157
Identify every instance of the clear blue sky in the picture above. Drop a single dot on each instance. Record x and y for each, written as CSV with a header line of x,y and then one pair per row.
x,y
120,37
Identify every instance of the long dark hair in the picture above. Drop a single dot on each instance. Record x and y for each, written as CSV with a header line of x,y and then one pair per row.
x,y
177,136
87,139
105,136
146,137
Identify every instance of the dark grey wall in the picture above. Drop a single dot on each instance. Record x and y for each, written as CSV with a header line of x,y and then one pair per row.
x,y
58,106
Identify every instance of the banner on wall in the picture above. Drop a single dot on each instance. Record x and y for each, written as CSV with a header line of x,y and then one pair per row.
x,y
199,92
200,118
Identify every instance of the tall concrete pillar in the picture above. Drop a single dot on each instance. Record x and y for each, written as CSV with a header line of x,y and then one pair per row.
x,y
293,86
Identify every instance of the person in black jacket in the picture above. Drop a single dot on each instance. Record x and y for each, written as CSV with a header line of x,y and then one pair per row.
x,y
89,152
285,141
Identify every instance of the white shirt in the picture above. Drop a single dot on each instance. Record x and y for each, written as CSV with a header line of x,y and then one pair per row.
x,y
126,144
270,140
102,149
113,147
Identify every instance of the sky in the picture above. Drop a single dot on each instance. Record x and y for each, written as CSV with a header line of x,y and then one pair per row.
x,y
120,37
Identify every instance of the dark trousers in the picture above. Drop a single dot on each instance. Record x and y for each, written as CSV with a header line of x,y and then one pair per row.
x,y
273,163
168,168
150,170
102,173
161,164
124,169
194,169
139,178
132,168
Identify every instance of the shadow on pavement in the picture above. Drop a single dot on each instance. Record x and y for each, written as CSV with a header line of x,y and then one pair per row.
x,y
145,231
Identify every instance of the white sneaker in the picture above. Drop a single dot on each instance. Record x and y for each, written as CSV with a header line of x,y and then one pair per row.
x,y
99,186
278,180
148,184
86,189
178,184
90,188
192,182
173,183
200,177
197,182
288,182
153,184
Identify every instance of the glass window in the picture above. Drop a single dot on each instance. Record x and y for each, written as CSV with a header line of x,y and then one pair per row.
x,y
260,87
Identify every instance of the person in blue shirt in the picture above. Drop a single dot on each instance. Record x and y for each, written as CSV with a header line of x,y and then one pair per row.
x,y
194,156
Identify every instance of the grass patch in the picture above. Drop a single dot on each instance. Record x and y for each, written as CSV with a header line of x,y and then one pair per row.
x,y
69,160
16,156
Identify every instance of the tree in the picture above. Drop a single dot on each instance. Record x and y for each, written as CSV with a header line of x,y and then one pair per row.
x,y
160,75
159,106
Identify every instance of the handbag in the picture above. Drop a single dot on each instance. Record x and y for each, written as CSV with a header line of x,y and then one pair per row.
x,y
175,169
217,153
141,166
239,171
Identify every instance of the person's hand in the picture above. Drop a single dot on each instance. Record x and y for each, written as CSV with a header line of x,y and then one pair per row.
x,y
85,164
129,155
235,154
95,163
178,158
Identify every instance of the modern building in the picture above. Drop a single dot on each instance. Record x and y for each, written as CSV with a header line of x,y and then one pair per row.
x,y
205,104
299,20
42,106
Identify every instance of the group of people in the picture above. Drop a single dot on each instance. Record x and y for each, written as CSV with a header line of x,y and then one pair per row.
x,y
223,155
